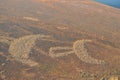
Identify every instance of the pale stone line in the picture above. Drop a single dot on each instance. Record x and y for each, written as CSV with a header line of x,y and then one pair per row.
x,y
54,55
31,18
82,53
20,48
40,51
28,62
6,40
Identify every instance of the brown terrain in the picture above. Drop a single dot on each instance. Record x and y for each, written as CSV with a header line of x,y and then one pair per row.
x,y
59,40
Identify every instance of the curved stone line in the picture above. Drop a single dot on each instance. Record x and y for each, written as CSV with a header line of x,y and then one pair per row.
x,y
82,53
20,48
6,40
27,62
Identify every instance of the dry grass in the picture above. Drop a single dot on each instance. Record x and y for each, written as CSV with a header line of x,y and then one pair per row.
x,y
82,53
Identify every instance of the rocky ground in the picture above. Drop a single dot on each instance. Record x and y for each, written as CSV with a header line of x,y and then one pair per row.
x,y
59,40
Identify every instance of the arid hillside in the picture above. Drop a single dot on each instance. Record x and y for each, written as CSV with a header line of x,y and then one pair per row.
x,y
59,40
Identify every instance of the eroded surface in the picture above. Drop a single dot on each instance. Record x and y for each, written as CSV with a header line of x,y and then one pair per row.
x,y
62,24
